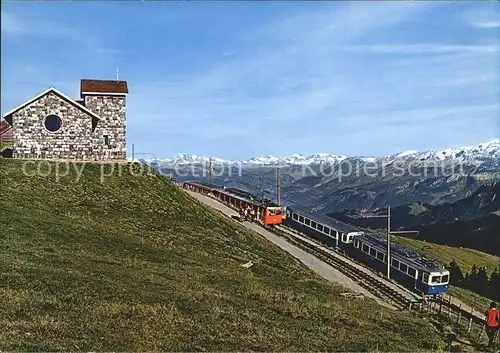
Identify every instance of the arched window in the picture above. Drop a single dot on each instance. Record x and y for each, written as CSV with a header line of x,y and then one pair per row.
x,y
52,123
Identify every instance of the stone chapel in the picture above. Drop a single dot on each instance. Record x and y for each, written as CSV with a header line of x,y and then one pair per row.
x,y
52,125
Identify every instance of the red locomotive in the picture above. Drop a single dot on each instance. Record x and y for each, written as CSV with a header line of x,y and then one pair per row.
x,y
262,211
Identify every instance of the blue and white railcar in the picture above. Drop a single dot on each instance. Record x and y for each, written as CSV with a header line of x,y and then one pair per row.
x,y
325,229
434,283
409,268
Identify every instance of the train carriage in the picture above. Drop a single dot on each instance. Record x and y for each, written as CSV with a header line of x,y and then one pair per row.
x,y
265,212
320,227
409,268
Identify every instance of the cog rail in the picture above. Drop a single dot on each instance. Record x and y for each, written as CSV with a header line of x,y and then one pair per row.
x,y
369,282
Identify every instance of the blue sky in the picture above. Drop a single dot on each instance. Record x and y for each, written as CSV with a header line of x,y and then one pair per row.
x,y
244,79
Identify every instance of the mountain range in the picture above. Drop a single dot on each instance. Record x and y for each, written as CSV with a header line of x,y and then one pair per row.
x,y
471,154
333,183
451,195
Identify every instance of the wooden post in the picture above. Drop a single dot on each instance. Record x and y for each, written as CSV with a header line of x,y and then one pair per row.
x,y
440,304
449,307
480,333
409,308
459,314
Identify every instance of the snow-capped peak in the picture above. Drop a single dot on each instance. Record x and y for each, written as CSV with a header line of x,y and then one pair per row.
x,y
490,149
485,151
407,153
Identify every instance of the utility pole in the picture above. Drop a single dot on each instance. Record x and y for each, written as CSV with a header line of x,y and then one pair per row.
x,y
278,196
133,154
210,170
388,216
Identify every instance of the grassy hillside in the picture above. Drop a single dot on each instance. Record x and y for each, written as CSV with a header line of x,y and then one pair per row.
x,y
465,258
470,298
4,145
134,264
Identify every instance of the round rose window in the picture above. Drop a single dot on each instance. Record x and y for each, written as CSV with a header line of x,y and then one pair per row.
x,y
52,123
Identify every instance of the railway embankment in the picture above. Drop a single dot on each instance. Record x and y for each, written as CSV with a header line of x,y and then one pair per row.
x,y
117,258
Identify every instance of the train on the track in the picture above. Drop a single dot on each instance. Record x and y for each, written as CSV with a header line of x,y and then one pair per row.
x,y
409,268
264,211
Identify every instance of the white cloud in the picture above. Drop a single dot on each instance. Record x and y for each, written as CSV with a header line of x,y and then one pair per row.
x,y
488,24
17,26
419,49
10,25
293,62
486,15
305,66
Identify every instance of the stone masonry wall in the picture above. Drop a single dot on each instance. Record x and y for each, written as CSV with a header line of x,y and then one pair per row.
x,y
32,140
112,110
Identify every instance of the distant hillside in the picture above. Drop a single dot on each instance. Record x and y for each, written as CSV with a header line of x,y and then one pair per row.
x,y
472,222
466,258
126,261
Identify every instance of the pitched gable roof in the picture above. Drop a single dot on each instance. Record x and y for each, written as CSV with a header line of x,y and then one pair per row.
x,y
8,118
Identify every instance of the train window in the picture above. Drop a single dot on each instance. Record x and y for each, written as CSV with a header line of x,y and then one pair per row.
x,y
365,248
436,279
278,212
295,216
380,256
412,272
403,267
344,238
373,252
445,279
301,219
271,211
425,278
320,227
395,263
308,222
313,224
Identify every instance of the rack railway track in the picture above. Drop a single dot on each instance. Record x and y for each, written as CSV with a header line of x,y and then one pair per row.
x,y
366,280
401,297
